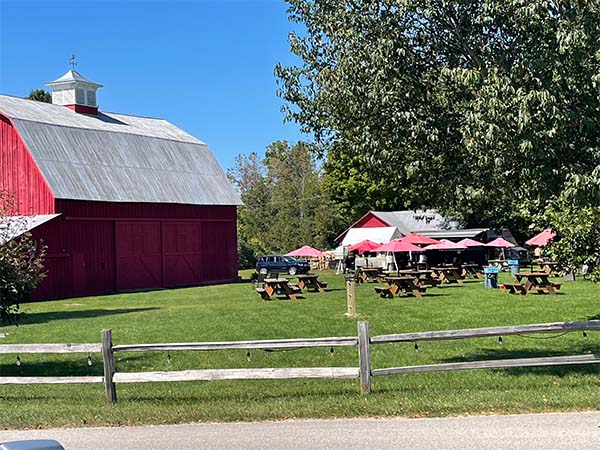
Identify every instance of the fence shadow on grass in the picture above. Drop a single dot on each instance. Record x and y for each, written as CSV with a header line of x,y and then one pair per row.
x,y
35,318
558,370
75,366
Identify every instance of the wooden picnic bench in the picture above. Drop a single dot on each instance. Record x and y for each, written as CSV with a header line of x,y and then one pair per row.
x,y
515,288
533,281
370,274
311,282
471,270
402,285
448,274
551,268
422,277
278,286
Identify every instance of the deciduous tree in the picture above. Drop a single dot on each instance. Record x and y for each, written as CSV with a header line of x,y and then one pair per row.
x,y
40,95
285,203
481,108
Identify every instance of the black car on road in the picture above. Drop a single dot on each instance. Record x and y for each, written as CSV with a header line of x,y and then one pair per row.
x,y
280,264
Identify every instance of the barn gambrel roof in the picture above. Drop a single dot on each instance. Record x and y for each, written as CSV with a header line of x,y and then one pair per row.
x,y
117,158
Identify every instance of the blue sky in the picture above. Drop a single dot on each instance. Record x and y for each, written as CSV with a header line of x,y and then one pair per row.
x,y
204,65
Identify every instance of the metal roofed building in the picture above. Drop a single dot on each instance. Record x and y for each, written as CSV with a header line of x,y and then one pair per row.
x,y
141,204
427,222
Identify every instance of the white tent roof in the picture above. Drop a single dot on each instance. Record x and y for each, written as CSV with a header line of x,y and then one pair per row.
x,y
380,235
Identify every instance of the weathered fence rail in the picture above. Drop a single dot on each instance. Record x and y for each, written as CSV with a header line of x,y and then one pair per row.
x,y
363,342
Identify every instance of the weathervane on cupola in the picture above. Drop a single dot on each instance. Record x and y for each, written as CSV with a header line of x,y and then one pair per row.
x,y
75,91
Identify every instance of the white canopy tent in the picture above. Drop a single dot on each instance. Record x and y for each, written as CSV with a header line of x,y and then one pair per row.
x,y
380,235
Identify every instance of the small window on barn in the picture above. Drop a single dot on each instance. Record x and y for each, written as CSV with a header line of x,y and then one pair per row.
x,y
80,96
91,98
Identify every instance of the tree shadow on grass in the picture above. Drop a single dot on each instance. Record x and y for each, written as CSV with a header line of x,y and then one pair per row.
x,y
559,370
36,318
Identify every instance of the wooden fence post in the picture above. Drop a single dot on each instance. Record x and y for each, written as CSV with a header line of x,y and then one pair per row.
x,y
109,365
350,297
364,357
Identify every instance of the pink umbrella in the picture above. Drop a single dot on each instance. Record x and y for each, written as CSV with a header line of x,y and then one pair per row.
x,y
470,243
500,243
364,246
542,239
416,238
445,244
398,245
307,251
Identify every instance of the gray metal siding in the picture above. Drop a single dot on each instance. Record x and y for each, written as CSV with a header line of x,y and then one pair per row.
x,y
117,158
83,164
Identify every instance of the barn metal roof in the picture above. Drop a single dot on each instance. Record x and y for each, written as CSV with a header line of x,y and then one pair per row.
x,y
411,221
118,158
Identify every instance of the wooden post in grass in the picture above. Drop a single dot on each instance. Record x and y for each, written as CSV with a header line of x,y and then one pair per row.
x,y
109,365
364,357
350,297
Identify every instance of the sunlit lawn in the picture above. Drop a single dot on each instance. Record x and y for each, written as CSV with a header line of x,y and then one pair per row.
x,y
236,312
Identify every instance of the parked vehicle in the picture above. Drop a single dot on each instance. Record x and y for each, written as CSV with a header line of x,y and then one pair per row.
x,y
281,264
37,444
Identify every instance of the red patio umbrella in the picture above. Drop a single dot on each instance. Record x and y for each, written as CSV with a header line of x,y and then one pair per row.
x,y
470,243
398,245
541,239
445,244
500,243
306,251
416,238
364,246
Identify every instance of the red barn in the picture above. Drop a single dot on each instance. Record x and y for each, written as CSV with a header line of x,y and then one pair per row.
x,y
124,202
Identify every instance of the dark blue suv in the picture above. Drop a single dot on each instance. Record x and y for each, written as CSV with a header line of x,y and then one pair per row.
x,y
280,264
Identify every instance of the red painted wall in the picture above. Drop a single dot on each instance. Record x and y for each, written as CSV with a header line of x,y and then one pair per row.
x,y
20,176
369,220
101,247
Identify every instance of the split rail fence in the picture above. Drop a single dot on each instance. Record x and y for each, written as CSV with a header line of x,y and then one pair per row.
x,y
363,341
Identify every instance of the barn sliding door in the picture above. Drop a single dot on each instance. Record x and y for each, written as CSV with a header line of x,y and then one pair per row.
x,y
139,255
182,246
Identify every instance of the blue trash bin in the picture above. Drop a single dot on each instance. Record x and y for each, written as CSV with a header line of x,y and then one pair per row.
x,y
514,266
490,277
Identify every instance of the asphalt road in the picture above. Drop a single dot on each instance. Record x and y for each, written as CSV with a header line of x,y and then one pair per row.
x,y
564,431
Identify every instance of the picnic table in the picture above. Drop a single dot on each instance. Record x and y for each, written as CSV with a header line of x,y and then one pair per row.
x,y
472,270
532,281
370,274
311,282
422,277
551,268
500,263
448,274
278,286
402,285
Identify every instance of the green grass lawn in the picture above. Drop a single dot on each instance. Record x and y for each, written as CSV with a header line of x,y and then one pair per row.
x,y
236,312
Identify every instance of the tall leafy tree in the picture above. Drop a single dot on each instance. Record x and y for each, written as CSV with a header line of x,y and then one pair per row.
x,y
40,95
481,108
575,216
285,202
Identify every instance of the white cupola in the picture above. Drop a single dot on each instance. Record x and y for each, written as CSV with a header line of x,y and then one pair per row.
x,y
75,92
